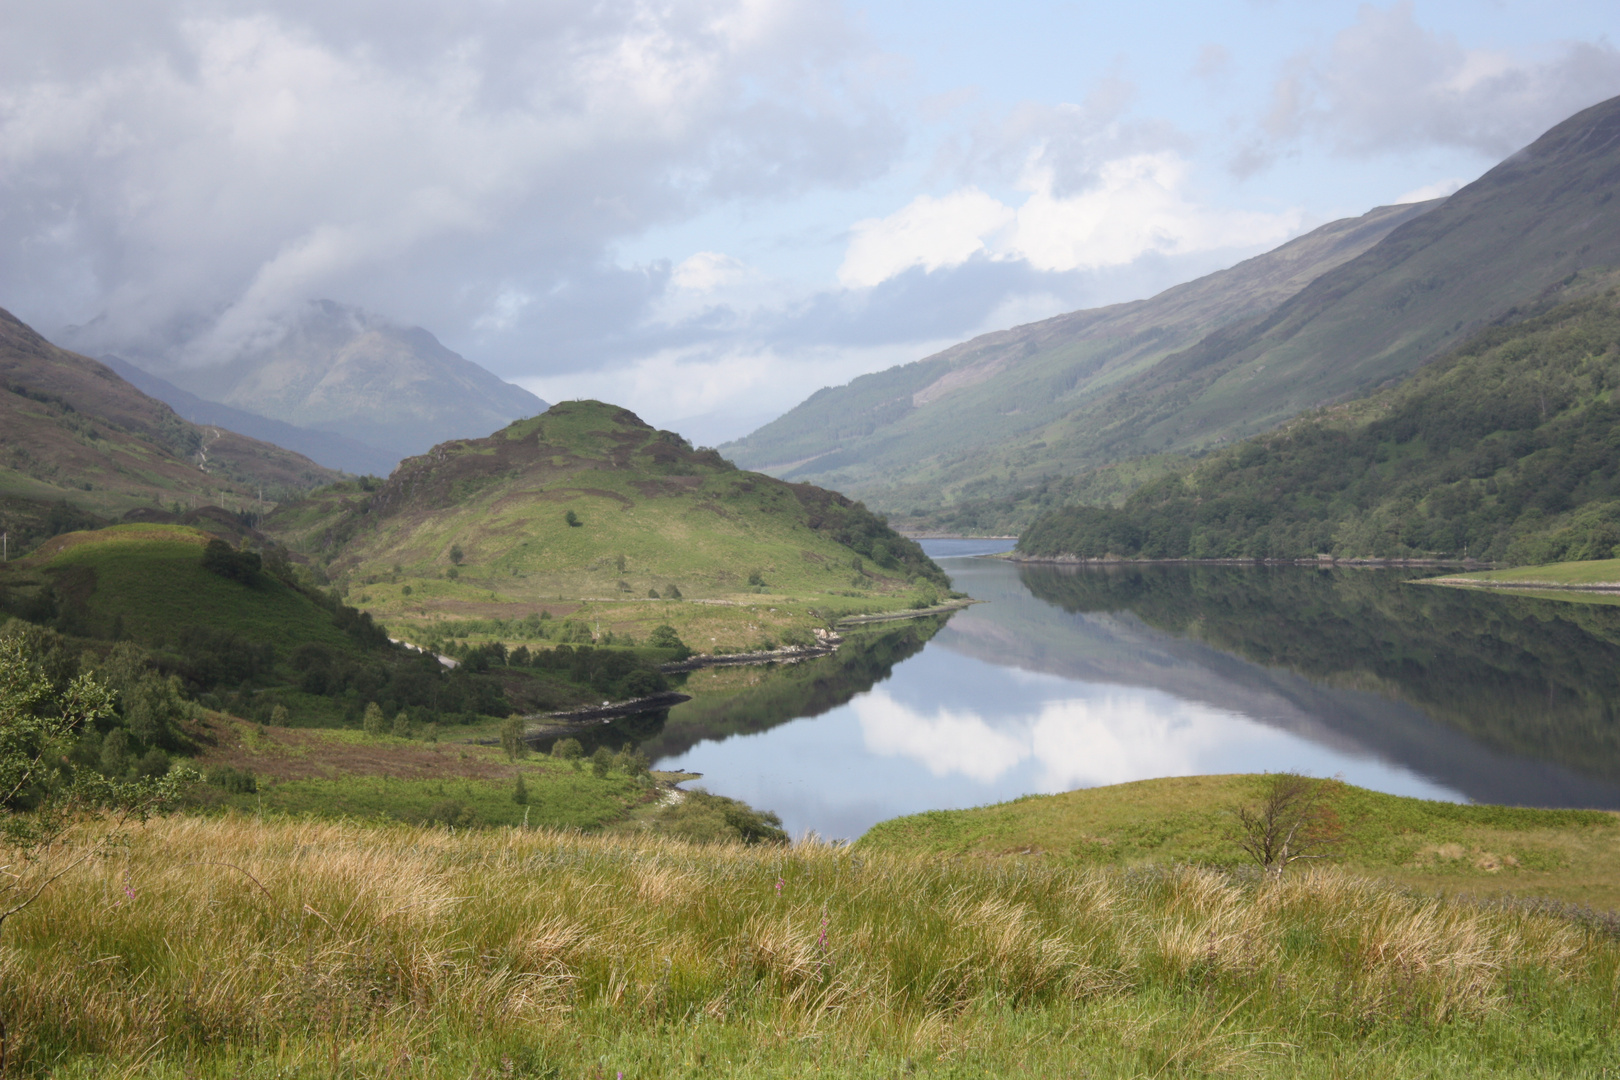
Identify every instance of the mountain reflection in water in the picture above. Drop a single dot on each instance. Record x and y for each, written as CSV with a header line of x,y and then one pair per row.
x,y
1072,677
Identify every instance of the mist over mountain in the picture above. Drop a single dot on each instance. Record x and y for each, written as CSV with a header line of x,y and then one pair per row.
x,y
334,368
323,447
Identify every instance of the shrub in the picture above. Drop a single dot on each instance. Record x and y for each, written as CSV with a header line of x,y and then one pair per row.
x,y
456,554
573,520
520,792
222,559
568,750
756,579
452,812
512,740
601,762
234,780
671,593
632,761
402,724
714,819
279,716
373,722
665,637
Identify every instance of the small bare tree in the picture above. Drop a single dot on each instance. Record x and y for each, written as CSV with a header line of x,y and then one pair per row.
x,y
1293,821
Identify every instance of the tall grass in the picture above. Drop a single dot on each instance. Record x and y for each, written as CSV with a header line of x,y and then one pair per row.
x,y
234,947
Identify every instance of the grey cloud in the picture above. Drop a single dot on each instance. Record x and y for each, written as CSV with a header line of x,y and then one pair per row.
x,y
192,169
1387,84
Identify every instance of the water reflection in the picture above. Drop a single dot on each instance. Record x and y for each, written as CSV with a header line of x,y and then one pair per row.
x,y
1068,679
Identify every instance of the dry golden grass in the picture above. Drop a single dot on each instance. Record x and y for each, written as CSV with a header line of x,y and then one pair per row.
x,y
234,947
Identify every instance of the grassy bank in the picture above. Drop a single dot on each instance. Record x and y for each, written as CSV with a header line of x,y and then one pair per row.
x,y
238,948
1573,855
1577,581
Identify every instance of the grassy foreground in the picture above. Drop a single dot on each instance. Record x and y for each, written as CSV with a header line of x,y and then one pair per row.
x,y
234,947
1573,855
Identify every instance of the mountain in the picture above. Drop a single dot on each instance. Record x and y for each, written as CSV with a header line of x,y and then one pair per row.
x,y
1507,449
338,369
587,500
76,440
324,447
929,431
1052,400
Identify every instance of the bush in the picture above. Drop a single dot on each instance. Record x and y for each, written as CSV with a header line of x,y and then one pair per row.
x,y
714,819
402,725
452,812
222,559
512,740
632,761
568,750
601,762
373,722
234,780
573,520
520,792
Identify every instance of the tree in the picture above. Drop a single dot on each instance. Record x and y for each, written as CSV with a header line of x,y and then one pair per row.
x,y
402,724
57,818
568,750
512,740
224,560
573,520
601,762
520,792
1293,821
665,637
456,554
373,721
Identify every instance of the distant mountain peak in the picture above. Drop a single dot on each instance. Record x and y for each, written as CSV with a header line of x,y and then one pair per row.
x,y
338,368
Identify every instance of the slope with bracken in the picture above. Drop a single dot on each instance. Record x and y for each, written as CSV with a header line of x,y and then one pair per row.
x,y
1508,450
1542,222
929,428
77,438
584,501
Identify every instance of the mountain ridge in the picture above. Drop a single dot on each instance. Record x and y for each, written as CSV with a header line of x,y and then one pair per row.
x,y
1103,345
337,369
1539,222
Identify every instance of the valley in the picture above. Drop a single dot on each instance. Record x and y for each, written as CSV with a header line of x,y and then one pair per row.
x,y
498,738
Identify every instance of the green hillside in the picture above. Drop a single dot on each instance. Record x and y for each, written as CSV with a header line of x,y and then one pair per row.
x,y
240,631
1041,404
1507,450
80,446
588,502
1571,854
970,420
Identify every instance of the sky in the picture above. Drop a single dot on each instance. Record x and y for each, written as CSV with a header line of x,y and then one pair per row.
x,y
706,210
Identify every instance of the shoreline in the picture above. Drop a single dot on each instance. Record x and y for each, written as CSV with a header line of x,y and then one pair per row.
x,y
1610,587
1320,560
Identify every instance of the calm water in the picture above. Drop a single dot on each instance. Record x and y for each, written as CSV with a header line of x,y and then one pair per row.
x,y
1070,678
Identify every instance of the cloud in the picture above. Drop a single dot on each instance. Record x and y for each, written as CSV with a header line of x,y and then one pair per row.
x,y
1386,84
198,174
1137,205
1108,738
1437,190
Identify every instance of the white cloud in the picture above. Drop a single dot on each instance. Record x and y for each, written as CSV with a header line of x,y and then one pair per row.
x,y
928,232
205,173
1137,205
1111,738
711,395
1437,190
1388,84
